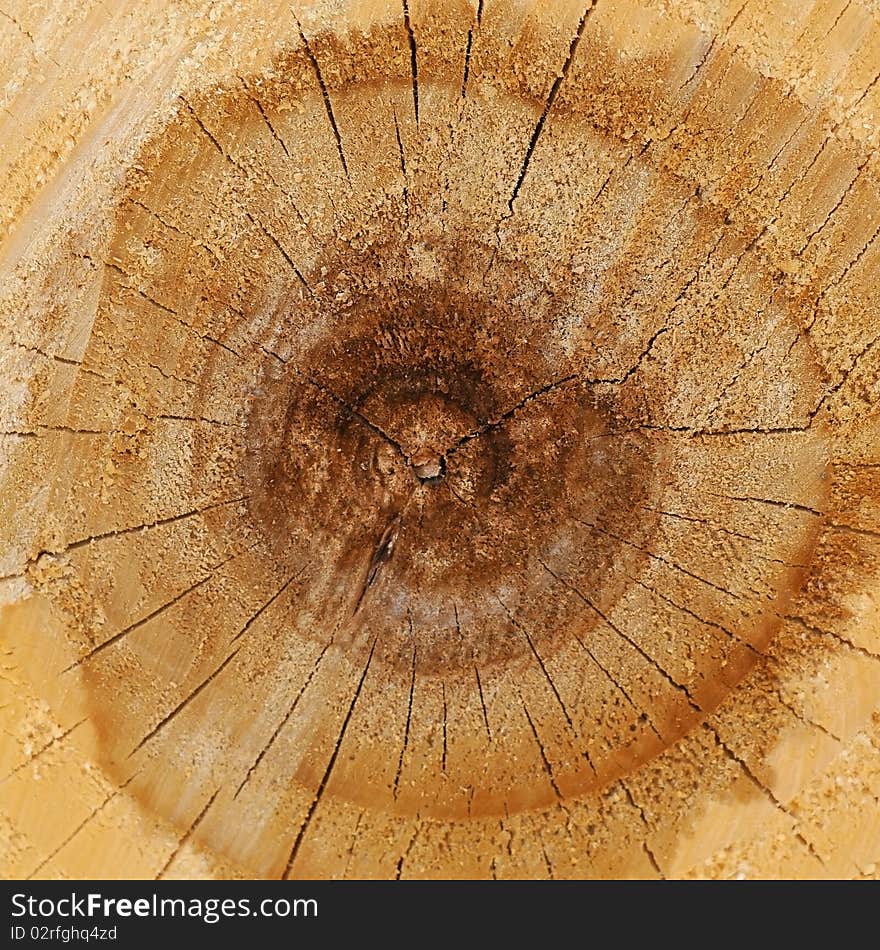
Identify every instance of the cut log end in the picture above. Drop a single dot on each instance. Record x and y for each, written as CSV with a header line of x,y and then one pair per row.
x,y
439,462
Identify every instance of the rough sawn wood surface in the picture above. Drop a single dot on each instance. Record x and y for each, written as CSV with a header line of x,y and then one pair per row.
x,y
440,439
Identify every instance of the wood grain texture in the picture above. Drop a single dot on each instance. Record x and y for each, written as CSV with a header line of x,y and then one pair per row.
x,y
440,439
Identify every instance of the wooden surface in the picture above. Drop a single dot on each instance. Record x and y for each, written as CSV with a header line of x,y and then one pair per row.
x,y
440,440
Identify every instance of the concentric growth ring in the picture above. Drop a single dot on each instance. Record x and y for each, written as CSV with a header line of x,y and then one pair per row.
x,y
460,439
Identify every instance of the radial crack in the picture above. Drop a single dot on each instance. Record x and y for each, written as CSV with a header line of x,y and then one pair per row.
x,y
282,251
544,759
401,861
643,713
172,313
357,414
165,720
472,33
839,638
402,155
171,227
547,677
148,525
551,98
643,818
505,416
272,131
189,833
261,610
723,36
443,756
791,505
482,702
64,360
709,623
413,58
80,826
403,748
325,95
294,850
656,557
767,792
45,748
634,644
281,724
104,645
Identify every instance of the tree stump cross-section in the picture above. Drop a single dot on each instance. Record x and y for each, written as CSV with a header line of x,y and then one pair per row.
x,y
440,439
